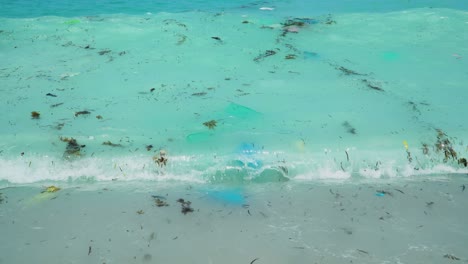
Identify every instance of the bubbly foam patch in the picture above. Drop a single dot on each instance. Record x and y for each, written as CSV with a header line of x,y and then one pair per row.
x,y
205,168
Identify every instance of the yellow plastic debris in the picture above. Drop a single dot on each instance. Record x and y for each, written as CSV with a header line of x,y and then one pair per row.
x,y
405,144
52,189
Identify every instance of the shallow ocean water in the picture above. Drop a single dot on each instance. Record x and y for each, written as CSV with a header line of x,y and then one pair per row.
x,y
301,132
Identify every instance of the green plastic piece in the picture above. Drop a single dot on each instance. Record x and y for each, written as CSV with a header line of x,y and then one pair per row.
x,y
239,111
199,137
72,22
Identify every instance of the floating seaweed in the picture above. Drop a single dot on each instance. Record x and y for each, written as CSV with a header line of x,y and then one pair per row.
x,y
99,116
255,259
444,145
414,107
51,95
210,124
149,147
102,52
372,86
161,160
294,22
108,143
329,21
182,39
217,38
349,128
347,71
160,202
245,22
152,89
185,206
59,126
200,94
122,53
85,112
463,161
35,115
265,54
73,148
451,257
425,149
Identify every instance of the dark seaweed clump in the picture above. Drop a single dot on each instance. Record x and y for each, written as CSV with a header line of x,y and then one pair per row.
x,y
349,128
185,206
444,145
210,124
73,148
35,115
265,54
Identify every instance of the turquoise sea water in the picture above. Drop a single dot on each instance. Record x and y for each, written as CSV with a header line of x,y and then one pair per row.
x,y
234,105
379,94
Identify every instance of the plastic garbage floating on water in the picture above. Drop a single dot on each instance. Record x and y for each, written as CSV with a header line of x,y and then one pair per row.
x,y
310,55
379,194
232,196
72,22
390,56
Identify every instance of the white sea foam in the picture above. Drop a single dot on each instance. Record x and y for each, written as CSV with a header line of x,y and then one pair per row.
x,y
200,169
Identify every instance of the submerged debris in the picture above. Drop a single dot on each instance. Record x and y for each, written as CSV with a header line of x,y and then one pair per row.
x,y
99,116
35,115
51,189
85,112
349,128
217,38
210,124
185,206
265,54
383,192
108,143
290,57
51,95
140,212
149,147
55,105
